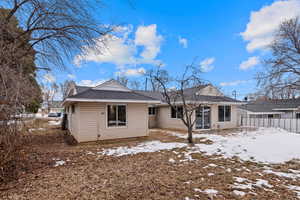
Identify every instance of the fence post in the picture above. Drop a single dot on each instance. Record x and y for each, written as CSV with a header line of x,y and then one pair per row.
x,y
296,125
291,125
284,124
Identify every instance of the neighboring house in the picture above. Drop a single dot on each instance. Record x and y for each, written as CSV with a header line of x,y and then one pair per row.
x,y
111,110
276,108
51,107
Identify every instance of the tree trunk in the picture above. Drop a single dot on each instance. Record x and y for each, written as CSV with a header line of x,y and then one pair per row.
x,y
190,135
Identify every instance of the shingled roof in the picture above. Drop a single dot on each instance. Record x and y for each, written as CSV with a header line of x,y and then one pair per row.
x,y
110,94
274,105
191,94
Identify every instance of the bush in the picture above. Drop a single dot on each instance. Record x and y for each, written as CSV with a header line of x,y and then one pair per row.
x,y
10,151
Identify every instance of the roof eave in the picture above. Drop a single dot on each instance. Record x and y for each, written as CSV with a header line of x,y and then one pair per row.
x,y
109,100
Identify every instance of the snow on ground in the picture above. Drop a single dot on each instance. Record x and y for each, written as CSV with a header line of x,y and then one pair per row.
x,y
267,145
209,192
36,129
295,189
239,193
283,174
58,162
243,183
151,146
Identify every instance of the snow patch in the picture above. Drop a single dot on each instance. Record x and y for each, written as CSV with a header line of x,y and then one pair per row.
x,y
59,163
36,129
152,146
295,189
239,193
266,145
283,174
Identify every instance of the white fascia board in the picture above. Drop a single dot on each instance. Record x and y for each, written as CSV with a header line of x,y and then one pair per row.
x,y
110,100
261,113
283,109
207,102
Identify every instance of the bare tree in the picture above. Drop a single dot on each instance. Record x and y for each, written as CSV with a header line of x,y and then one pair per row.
x,y
65,87
163,75
42,32
136,85
177,94
123,79
281,75
57,29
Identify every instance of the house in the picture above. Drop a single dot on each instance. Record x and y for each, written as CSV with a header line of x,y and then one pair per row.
x,y
274,108
111,110
50,107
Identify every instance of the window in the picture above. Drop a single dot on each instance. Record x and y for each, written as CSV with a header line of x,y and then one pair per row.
x,y
177,112
116,115
73,109
297,115
224,113
152,110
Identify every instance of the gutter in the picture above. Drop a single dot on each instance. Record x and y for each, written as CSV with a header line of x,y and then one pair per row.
x,y
109,100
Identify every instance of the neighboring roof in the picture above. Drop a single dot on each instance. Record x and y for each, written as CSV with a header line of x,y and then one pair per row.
x,y
274,105
109,95
191,95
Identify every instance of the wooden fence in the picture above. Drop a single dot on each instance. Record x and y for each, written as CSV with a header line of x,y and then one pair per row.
x,y
289,124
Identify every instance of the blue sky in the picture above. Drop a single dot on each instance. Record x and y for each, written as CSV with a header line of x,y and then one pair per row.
x,y
227,38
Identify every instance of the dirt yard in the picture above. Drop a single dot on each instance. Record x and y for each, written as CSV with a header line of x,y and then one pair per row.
x,y
60,171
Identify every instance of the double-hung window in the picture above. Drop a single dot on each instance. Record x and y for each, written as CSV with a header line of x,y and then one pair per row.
x,y
116,115
177,112
224,113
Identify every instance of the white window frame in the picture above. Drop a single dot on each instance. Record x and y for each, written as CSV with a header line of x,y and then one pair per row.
x,y
106,111
176,112
225,114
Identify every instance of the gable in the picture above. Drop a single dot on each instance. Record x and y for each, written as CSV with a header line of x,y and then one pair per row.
x,y
210,90
112,85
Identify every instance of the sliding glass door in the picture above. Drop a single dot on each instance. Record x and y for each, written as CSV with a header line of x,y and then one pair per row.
x,y
203,117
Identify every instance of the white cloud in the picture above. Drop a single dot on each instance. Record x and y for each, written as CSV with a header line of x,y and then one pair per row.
x,y
120,50
49,78
71,76
147,36
183,42
90,83
206,65
234,83
250,63
263,23
132,72
110,49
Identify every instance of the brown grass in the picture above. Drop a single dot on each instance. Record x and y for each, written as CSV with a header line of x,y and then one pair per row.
x,y
140,176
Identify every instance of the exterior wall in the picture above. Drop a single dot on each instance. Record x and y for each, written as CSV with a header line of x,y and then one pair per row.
x,y
210,91
92,122
215,124
164,119
153,120
73,118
